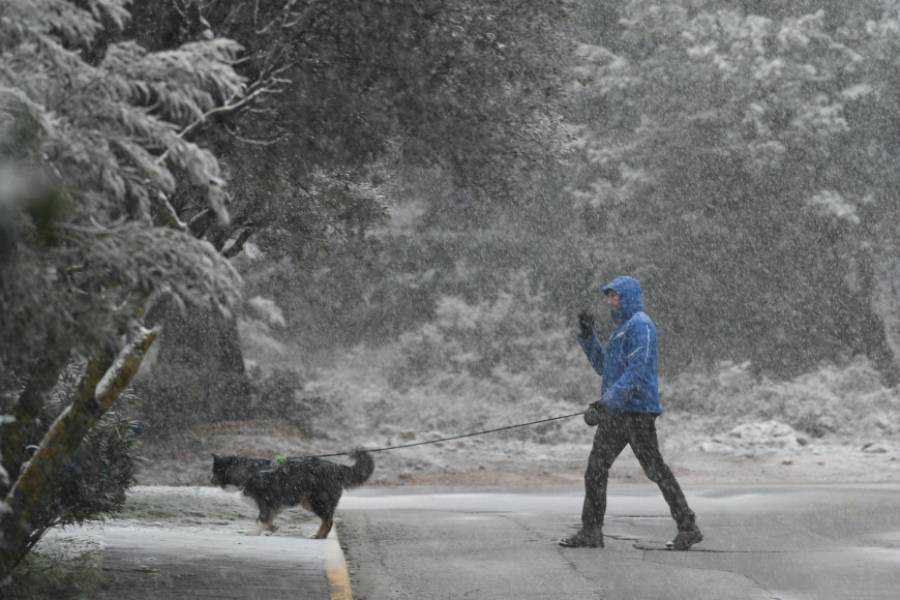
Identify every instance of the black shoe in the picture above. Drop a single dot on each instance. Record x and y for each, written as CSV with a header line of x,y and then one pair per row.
x,y
583,539
685,539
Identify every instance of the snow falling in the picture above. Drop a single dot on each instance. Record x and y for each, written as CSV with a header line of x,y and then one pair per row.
x,y
279,229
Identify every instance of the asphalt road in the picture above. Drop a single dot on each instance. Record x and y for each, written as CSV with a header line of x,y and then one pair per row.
x,y
828,542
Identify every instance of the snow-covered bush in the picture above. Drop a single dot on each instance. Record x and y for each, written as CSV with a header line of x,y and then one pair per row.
x,y
96,477
279,393
499,360
509,340
846,400
750,439
258,328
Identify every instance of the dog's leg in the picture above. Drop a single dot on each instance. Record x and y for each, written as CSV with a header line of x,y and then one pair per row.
x,y
264,526
271,524
324,528
324,509
265,520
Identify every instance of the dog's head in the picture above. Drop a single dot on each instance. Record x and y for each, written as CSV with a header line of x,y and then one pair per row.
x,y
226,471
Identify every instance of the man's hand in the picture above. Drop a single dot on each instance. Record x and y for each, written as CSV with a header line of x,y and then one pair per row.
x,y
594,413
585,324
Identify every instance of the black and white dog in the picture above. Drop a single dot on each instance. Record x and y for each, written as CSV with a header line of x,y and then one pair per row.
x,y
312,483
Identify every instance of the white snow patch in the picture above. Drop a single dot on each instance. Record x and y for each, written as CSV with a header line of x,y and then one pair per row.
x,y
267,310
834,204
753,439
204,509
856,92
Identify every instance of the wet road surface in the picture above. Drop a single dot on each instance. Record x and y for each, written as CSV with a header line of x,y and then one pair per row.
x,y
829,542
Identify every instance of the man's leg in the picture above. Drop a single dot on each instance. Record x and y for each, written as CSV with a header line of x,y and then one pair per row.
x,y
641,431
609,441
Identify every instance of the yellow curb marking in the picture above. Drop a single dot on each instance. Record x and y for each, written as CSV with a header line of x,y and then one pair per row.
x,y
336,568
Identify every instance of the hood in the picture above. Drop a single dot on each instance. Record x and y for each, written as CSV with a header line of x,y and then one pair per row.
x,y
629,291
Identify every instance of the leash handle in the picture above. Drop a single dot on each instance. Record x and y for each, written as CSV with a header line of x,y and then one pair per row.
x,y
446,439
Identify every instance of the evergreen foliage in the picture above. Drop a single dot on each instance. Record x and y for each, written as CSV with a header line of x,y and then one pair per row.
x,y
340,96
93,134
104,140
348,90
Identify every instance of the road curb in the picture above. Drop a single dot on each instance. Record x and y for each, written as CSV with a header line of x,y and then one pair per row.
x,y
336,568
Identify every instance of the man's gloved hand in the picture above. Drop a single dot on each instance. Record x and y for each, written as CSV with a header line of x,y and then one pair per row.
x,y
585,324
594,413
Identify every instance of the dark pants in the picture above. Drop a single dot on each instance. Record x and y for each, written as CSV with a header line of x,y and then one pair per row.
x,y
639,431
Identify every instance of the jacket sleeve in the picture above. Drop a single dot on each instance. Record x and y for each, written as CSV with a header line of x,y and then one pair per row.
x,y
640,342
594,352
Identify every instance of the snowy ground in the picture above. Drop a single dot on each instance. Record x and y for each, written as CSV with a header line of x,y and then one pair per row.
x,y
725,426
834,425
169,537
204,509
749,453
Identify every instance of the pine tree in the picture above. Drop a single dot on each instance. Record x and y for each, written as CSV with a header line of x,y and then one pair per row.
x,y
93,143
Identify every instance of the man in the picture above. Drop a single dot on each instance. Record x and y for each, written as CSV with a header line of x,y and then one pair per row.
x,y
626,414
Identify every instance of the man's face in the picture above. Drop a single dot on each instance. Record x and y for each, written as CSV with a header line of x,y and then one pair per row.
x,y
613,300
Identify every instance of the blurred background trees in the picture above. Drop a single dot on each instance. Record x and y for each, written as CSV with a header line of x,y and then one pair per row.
x,y
341,97
443,183
745,157
737,157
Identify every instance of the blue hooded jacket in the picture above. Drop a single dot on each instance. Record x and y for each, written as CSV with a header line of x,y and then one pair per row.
x,y
628,367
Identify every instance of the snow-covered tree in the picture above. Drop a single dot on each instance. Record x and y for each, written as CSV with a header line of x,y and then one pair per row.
x,y
744,157
93,143
336,90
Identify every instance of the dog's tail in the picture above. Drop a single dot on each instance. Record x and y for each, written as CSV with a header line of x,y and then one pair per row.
x,y
360,471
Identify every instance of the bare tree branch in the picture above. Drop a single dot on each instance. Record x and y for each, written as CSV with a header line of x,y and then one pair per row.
x,y
168,214
235,248
200,223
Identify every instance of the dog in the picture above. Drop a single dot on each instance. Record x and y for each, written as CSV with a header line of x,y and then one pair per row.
x,y
313,483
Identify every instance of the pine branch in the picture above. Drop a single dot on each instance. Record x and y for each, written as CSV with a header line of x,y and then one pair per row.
x,y
254,142
201,222
168,214
235,248
233,105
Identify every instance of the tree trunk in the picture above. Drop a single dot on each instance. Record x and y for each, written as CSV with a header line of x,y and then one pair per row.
x,y
885,304
104,379
199,372
14,435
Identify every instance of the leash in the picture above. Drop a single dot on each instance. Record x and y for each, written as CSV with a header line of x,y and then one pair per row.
x,y
438,441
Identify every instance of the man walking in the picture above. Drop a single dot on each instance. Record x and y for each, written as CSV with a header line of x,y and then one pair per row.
x,y
626,414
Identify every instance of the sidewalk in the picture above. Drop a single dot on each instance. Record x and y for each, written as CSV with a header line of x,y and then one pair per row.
x,y
155,563
140,562
194,542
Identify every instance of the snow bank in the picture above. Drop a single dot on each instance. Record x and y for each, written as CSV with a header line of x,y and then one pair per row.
x,y
849,402
726,411
203,509
753,439
834,423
